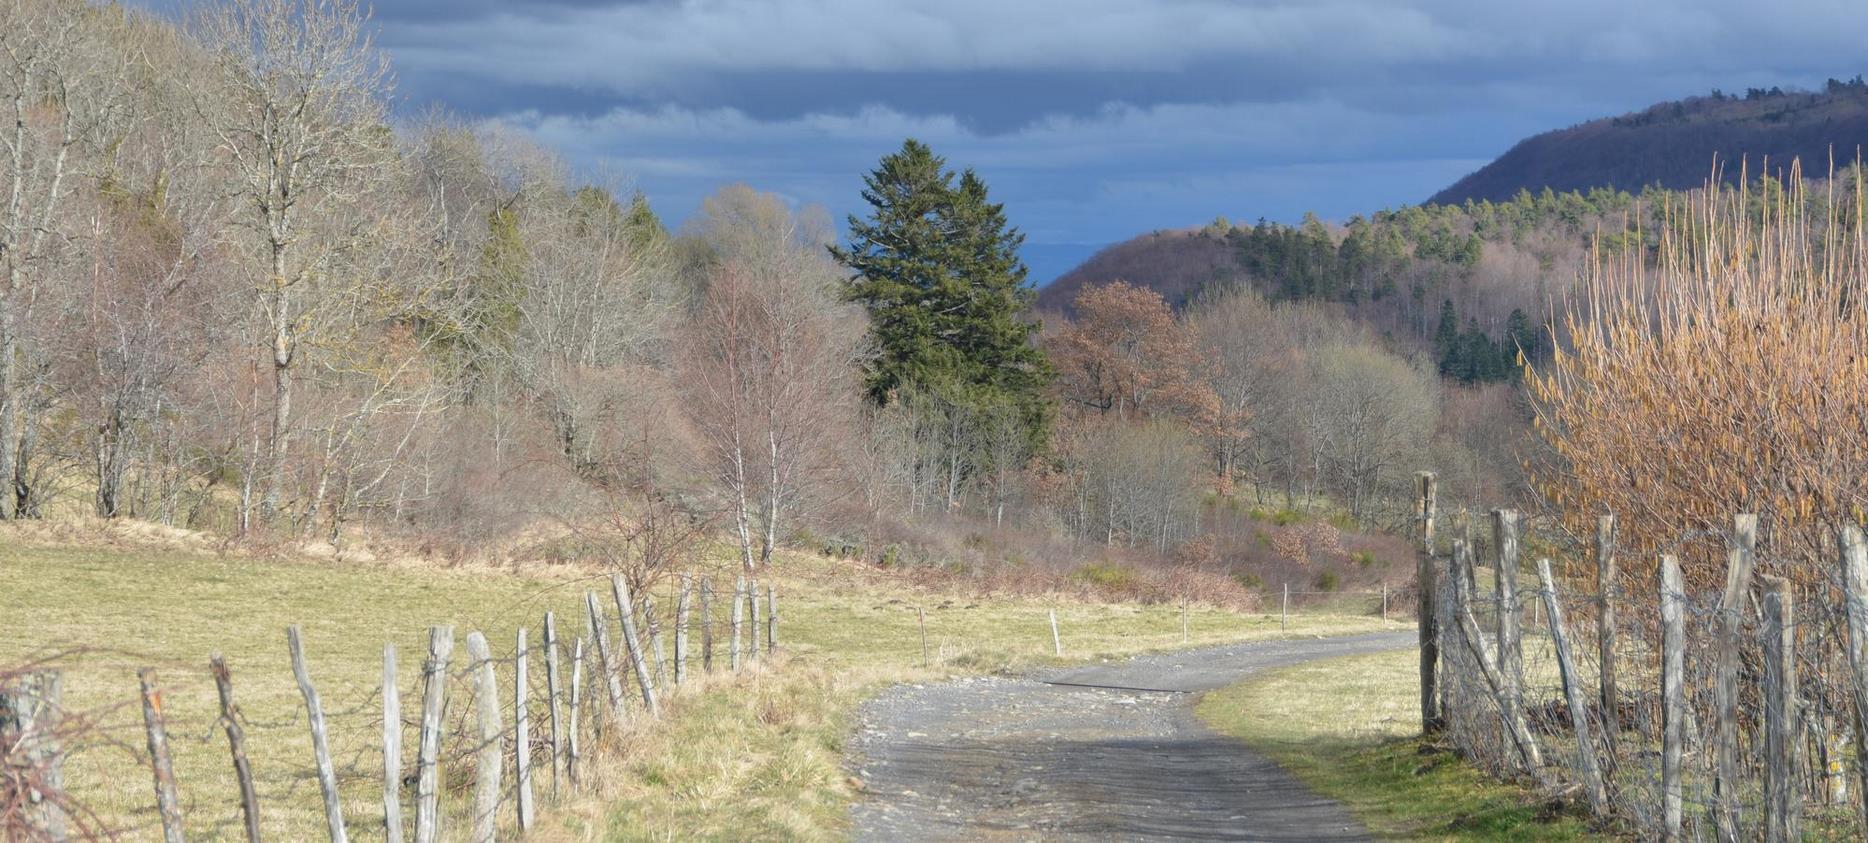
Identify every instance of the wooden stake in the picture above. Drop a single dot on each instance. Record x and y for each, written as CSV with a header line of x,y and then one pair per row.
x,y
771,618
522,730
706,625
236,745
428,752
1057,641
320,745
1739,560
1509,635
1427,610
1855,602
1573,693
1284,610
29,719
921,617
553,700
392,748
1672,694
577,688
681,630
620,592
168,802
488,755
1605,636
1783,804
752,617
606,659
739,609
1517,731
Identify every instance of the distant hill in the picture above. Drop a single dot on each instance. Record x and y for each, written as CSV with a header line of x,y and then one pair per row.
x,y
1176,264
1673,144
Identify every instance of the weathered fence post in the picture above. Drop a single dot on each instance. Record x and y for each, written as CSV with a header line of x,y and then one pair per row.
x,y
606,659
155,727
1672,694
1284,610
236,745
572,744
771,619
706,625
1573,693
392,748
320,746
1384,602
1739,560
428,752
1057,641
1855,602
1426,582
681,630
752,617
1605,634
1505,582
552,687
1516,729
488,753
921,618
522,730
1783,804
29,717
620,592
739,610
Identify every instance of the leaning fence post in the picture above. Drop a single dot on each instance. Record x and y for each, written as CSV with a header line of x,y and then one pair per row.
x,y
681,630
428,752
236,744
168,802
706,625
606,659
921,619
1672,694
1739,560
1855,602
771,619
572,744
1783,804
392,748
320,746
620,592
739,610
487,755
1505,583
552,698
1428,624
1605,634
1057,641
522,730
1517,730
1573,692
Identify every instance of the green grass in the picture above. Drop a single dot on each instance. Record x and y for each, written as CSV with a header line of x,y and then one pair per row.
x,y
758,755
1367,752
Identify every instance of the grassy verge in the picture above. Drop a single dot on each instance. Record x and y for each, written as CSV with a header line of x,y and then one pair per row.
x,y
1367,752
757,755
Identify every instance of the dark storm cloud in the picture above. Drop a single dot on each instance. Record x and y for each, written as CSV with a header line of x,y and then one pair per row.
x,y
1093,119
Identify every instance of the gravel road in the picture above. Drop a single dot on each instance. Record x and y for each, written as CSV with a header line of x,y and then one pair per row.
x,y
1105,752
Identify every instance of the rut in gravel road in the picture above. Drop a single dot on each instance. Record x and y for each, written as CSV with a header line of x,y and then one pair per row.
x,y
1106,752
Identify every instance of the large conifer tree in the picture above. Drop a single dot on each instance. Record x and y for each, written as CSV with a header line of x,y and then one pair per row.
x,y
936,264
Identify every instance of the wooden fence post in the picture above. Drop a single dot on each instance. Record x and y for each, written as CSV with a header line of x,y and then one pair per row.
x,y
577,687
1605,635
1057,641
706,624
752,617
155,728
1783,803
1505,524
1428,625
739,609
1739,560
606,659
1573,693
1284,610
29,719
552,697
771,619
1855,602
681,630
320,745
620,592
392,748
488,756
921,618
522,730
1672,694
428,752
236,745
1516,729
1384,602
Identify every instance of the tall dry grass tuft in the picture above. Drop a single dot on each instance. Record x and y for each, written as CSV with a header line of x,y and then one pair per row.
x,y
1721,369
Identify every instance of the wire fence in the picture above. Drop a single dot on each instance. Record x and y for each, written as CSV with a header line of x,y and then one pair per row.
x,y
1670,712
456,742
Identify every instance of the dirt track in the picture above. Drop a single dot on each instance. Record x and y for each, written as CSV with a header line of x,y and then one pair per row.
x,y
1106,752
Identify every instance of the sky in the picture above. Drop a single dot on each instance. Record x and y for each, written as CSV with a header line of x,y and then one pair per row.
x,y
1092,120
